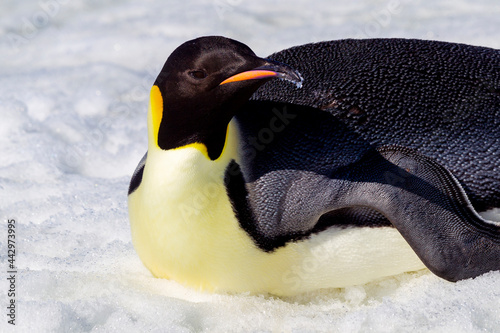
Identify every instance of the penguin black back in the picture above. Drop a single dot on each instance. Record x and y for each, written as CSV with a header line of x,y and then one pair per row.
x,y
442,99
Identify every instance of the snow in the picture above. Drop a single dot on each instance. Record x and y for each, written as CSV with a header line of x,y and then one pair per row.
x,y
74,82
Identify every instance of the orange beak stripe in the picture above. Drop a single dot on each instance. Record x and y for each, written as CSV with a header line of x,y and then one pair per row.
x,y
250,75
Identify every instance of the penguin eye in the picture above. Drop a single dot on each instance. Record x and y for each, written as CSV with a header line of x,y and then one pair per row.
x,y
198,74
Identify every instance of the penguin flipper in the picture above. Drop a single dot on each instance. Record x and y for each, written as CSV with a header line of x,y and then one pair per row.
x,y
137,175
428,206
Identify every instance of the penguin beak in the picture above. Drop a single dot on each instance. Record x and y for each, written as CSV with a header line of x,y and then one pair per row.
x,y
271,69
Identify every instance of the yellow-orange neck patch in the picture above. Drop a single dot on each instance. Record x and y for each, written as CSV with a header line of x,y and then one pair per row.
x,y
156,110
197,145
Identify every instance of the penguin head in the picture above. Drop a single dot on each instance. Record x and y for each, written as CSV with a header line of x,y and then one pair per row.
x,y
202,85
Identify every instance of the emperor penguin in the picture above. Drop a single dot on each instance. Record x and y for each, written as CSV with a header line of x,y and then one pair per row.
x,y
277,194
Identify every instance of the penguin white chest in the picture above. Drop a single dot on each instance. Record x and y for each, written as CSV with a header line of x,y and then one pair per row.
x,y
179,212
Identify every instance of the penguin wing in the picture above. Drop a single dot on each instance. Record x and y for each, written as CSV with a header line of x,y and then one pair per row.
x,y
427,205
137,175
442,99
316,173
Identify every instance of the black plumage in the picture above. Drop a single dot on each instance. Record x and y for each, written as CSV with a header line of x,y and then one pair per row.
x,y
442,99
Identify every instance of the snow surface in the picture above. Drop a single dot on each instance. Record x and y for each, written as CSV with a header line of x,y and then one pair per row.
x,y
74,81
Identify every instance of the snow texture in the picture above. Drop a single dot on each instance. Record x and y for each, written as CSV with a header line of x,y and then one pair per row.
x,y
74,84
